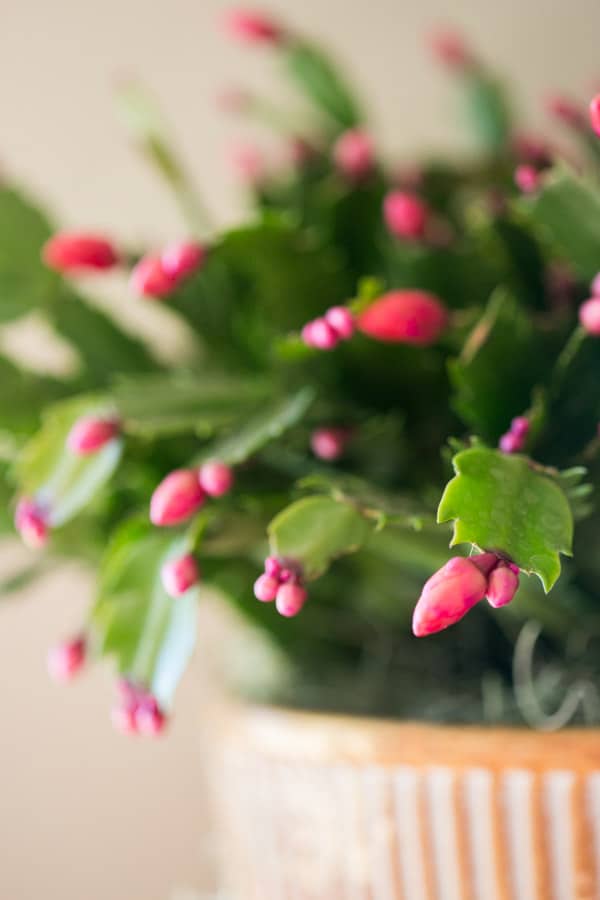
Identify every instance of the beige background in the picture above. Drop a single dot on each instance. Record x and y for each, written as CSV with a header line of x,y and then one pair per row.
x,y
85,815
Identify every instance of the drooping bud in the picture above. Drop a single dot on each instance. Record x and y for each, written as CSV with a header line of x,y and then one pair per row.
x,y
589,316
329,443
405,215
179,575
31,523
272,566
67,659
91,433
149,718
320,335
176,498
594,111
566,112
406,317
79,252
290,599
511,443
353,154
450,49
527,178
520,426
182,259
341,320
503,583
266,587
149,278
216,478
448,595
252,27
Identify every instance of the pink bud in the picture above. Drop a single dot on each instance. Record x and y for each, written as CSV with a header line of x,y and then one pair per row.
x,y
527,178
520,426
252,27
589,316
181,259
299,152
353,154
149,718
176,498
75,252
450,49
511,442
66,660
90,434
405,317
532,149
265,588
320,335
123,718
341,320
566,112
248,163
31,523
215,478
447,596
405,214
485,562
272,566
594,110
286,574
595,286
290,599
149,279
502,585
179,575
329,443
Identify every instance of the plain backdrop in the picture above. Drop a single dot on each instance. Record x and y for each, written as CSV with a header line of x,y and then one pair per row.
x,y
85,814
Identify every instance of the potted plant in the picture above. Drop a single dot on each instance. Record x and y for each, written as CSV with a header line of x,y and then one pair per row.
x,y
386,360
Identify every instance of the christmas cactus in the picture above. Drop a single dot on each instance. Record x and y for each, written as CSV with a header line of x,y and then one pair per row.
x,y
387,359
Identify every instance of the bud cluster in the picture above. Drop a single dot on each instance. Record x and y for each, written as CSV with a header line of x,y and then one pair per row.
x,y
326,332
514,440
138,711
281,582
182,492
158,275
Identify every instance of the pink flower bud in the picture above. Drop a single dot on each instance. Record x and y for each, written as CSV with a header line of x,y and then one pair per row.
x,y
595,286
123,718
181,259
215,478
405,214
594,110
66,660
31,523
320,335
149,718
353,154
176,498
520,426
485,562
272,566
502,585
252,27
511,442
450,49
341,320
329,443
405,317
290,599
265,588
527,178
566,112
90,434
532,149
447,596
149,279
247,163
75,252
589,316
179,575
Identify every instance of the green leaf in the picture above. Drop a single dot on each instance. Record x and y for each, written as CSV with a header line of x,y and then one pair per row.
x,y
150,635
566,211
504,504
488,109
322,84
23,396
24,281
316,530
267,425
61,481
155,405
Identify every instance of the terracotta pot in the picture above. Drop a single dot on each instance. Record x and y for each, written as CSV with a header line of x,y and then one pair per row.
x,y
320,807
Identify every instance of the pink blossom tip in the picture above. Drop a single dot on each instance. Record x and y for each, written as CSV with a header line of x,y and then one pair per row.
x,y
290,599
405,215
450,48
511,442
91,433
329,443
251,27
353,154
589,316
265,588
73,252
503,583
448,595
31,523
272,566
67,659
527,178
216,478
150,720
341,320
176,498
149,278
181,259
594,113
565,111
179,575
319,335
405,317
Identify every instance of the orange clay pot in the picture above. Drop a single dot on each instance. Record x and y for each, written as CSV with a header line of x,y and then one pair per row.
x,y
323,807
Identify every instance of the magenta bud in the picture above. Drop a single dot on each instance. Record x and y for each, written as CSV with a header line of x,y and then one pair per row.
x,y
448,595
589,316
520,426
290,599
123,718
329,443
176,498
594,112
181,259
149,278
179,575
320,335
90,434
353,154
566,112
511,443
272,566
485,562
450,49
66,660
265,588
502,585
252,27
149,718
527,178
405,215
341,320
248,163
216,478
406,317
30,522
78,252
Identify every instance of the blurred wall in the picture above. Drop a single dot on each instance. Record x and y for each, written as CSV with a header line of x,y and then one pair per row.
x,y
84,814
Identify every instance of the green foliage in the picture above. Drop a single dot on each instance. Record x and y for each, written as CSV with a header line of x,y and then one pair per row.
x,y
321,82
504,504
488,110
